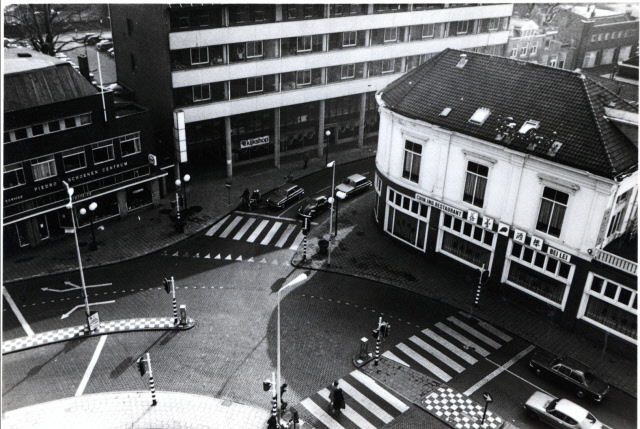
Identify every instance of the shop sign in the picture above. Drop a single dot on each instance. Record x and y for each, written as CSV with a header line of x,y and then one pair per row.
x,y
519,236
437,204
503,229
558,254
603,226
487,222
537,243
254,142
472,216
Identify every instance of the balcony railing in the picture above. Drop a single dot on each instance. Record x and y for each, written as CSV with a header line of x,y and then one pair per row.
x,y
616,261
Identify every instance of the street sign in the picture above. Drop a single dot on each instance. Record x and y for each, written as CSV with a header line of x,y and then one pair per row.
x,y
487,397
94,321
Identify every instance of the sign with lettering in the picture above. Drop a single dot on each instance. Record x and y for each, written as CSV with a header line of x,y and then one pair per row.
x,y
472,216
94,321
254,142
519,236
558,254
537,243
503,229
487,222
437,204
603,226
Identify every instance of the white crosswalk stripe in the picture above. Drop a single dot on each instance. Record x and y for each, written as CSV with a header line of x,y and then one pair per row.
x,y
231,226
217,226
474,332
244,228
430,366
437,353
390,355
249,232
320,414
464,340
378,390
437,338
366,402
297,241
349,412
257,231
271,233
285,235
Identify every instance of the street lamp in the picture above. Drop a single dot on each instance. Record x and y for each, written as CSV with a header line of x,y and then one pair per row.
x,y
75,234
302,277
328,134
341,196
92,208
186,179
332,164
179,227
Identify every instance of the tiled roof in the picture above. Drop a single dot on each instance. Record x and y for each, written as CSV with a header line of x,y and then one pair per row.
x,y
562,101
41,86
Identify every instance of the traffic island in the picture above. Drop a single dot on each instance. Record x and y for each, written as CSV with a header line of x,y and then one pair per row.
x,y
111,327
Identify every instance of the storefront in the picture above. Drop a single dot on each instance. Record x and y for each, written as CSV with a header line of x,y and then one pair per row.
x,y
466,241
407,219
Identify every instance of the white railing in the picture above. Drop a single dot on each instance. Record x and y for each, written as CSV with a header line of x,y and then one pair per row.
x,y
616,261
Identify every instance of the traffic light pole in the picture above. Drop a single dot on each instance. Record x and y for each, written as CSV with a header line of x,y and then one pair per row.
x,y
378,341
274,397
152,385
175,304
478,290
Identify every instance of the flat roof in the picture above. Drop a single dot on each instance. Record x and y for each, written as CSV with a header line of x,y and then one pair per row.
x,y
16,64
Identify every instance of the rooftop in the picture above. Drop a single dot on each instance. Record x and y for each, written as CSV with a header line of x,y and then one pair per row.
x,y
569,107
13,63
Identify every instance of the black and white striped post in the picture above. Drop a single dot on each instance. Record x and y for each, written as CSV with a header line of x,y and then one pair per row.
x,y
274,397
305,231
175,304
378,336
478,289
152,384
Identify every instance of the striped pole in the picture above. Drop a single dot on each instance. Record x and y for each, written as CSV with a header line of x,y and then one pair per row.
x,y
175,305
152,384
478,290
274,399
304,255
378,340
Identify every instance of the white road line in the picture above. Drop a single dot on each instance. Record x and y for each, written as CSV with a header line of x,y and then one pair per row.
x,y
393,357
424,362
296,242
474,332
92,364
257,231
482,352
366,402
438,354
489,377
437,338
494,331
244,228
285,235
230,228
320,414
17,312
349,412
267,216
276,226
377,389
217,226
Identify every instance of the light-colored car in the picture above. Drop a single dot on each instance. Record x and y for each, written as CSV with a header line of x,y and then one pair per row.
x,y
353,185
560,413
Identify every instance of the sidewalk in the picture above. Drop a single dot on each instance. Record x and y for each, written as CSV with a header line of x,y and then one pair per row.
x,y
361,249
134,410
149,229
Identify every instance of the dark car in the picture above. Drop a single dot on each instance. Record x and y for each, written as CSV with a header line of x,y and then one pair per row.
x,y
314,206
285,195
353,185
104,45
573,374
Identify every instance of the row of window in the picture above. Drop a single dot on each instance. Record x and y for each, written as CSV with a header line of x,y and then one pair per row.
x,y
607,56
49,127
612,35
73,159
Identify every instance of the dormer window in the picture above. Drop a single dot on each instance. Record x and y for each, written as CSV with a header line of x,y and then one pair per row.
x,y
480,116
529,125
445,111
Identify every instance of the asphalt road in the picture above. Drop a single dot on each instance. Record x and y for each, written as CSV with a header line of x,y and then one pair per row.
x,y
229,284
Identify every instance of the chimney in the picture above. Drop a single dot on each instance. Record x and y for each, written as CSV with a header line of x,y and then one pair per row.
x,y
83,63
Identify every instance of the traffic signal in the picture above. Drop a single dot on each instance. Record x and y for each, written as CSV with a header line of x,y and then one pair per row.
x,y
376,333
266,385
384,329
167,285
141,366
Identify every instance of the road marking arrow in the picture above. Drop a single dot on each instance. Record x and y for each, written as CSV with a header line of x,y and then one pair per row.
x,y
67,314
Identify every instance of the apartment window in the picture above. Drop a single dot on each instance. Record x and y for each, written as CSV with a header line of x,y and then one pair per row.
x,y
254,49
304,44
338,9
514,52
545,59
349,38
554,61
130,144
85,119
13,176
390,34
129,27
547,44
476,184
37,130
494,23
589,59
43,167
552,209
308,11
428,30
388,65
348,71
102,152
54,126
74,159
523,49
69,123
613,35
133,62
606,36
600,37
303,77
620,34
201,92
199,56
594,38
607,56
561,60
412,160
254,84
624,53
533,50
463,27
203,19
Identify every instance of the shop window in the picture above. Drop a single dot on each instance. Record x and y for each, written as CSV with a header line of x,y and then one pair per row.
x,y
74,159
552,209
199,56
390,34
412,160
476,184
13,175
349,38
254,49
405,220
303,77
463,27
43,167
466,241
130,144
304,44
255,84
348,71
23,234
201,92
428,30
102,152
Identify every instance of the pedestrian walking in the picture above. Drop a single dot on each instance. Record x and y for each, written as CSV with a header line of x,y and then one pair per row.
x,y
305,160
332,392
338,400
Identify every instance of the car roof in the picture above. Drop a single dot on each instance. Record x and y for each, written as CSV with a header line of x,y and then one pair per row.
x,y
288,187
356,177
575,364
576,412
320,197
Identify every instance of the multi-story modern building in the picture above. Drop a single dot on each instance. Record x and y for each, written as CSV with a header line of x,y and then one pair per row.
x,y
254,83
529,42
524,170
58,127
601,37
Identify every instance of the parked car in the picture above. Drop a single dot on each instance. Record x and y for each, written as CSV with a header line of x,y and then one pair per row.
x,y
92,39
285,195
104,45
353,185
61,55
314,206
571,373
560,413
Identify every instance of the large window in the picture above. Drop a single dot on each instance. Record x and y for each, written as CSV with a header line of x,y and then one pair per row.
x,y
304,44
348,71
552,209
13,175
428,30
102,152
407,219
349,38
74,159
390,34
255,84
466,241
463,27
201,92
43,167
412,160
303,77
199,55
388,66
475,184
130,144
254,49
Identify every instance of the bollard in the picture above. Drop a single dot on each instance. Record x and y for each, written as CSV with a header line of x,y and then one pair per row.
x,y
183,314
364,347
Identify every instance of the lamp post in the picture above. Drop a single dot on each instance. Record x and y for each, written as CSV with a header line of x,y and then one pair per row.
x,y
302,277
332,164
185,179
328,134
92,208
75,234
179,227
341,196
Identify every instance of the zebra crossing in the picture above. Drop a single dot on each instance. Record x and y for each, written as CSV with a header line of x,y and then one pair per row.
x,y
266,232
449,347
369,405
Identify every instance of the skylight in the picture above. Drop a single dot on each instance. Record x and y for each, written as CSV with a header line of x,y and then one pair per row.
x,y
480,116
463,61
445,111
529,125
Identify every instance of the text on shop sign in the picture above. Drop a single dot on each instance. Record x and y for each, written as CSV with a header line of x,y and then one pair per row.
x,y
437,204
254,142
558,254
